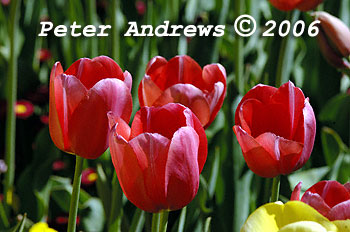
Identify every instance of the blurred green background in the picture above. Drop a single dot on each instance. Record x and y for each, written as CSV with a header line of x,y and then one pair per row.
x,y
228,191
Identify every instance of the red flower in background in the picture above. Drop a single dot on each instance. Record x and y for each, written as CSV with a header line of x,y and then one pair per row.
x,y
24,109
88,177
275,128
44,55
79,101
182,80
159,159
140,7
303,5
330,198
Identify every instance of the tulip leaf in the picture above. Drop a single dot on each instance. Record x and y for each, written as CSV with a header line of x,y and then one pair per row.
x,y
138,221
331,143
336,114
308,177
242,199
93,217
103,188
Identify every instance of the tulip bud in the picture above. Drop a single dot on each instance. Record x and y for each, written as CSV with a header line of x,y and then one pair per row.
x,y
336,32
330,54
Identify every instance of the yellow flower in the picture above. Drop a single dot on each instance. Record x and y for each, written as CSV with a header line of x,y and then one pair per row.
x,y
294,216
41,227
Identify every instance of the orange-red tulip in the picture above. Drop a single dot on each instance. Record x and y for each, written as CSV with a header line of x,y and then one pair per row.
x,y
80,99
276,129
330,198
159,159
182,80
303,5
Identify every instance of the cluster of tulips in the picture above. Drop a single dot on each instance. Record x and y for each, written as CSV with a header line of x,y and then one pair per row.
x,y
159,159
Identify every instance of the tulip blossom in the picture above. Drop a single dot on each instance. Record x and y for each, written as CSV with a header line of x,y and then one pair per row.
x,y
275,129
330,198
182,80
292,216
79,101
159,159
303,5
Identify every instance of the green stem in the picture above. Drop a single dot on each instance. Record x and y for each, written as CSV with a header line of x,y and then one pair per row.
x,y
92,19
239,52
73,210
115,32
116,213
285,58
160,221
275,189
3,216
11,96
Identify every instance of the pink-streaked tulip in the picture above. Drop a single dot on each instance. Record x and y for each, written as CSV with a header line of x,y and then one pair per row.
x,y
24,109
303,5
275,128
159,159
182,80
80,99
330,198
88,177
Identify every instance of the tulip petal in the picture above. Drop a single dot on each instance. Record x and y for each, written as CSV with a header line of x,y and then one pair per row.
x,y
294,100
316,201
212,74
55,127
128,80
90,71
193,121
148,92
274,217
285,5
340,211
296,192
156,120
189,96
303,226
124,159
216,99
308,4
287,152
308,134
66,92
259,92
331,191
88,126
259,160
155,66
182,171
180,69
347,186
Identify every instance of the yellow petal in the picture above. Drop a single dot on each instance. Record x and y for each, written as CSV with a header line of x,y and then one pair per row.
x,y
303,226
292,216
343,225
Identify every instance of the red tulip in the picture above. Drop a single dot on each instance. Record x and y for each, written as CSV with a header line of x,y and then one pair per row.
x,y
275,128
303,5
330,198
159,159
79,101
44,55
182,80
